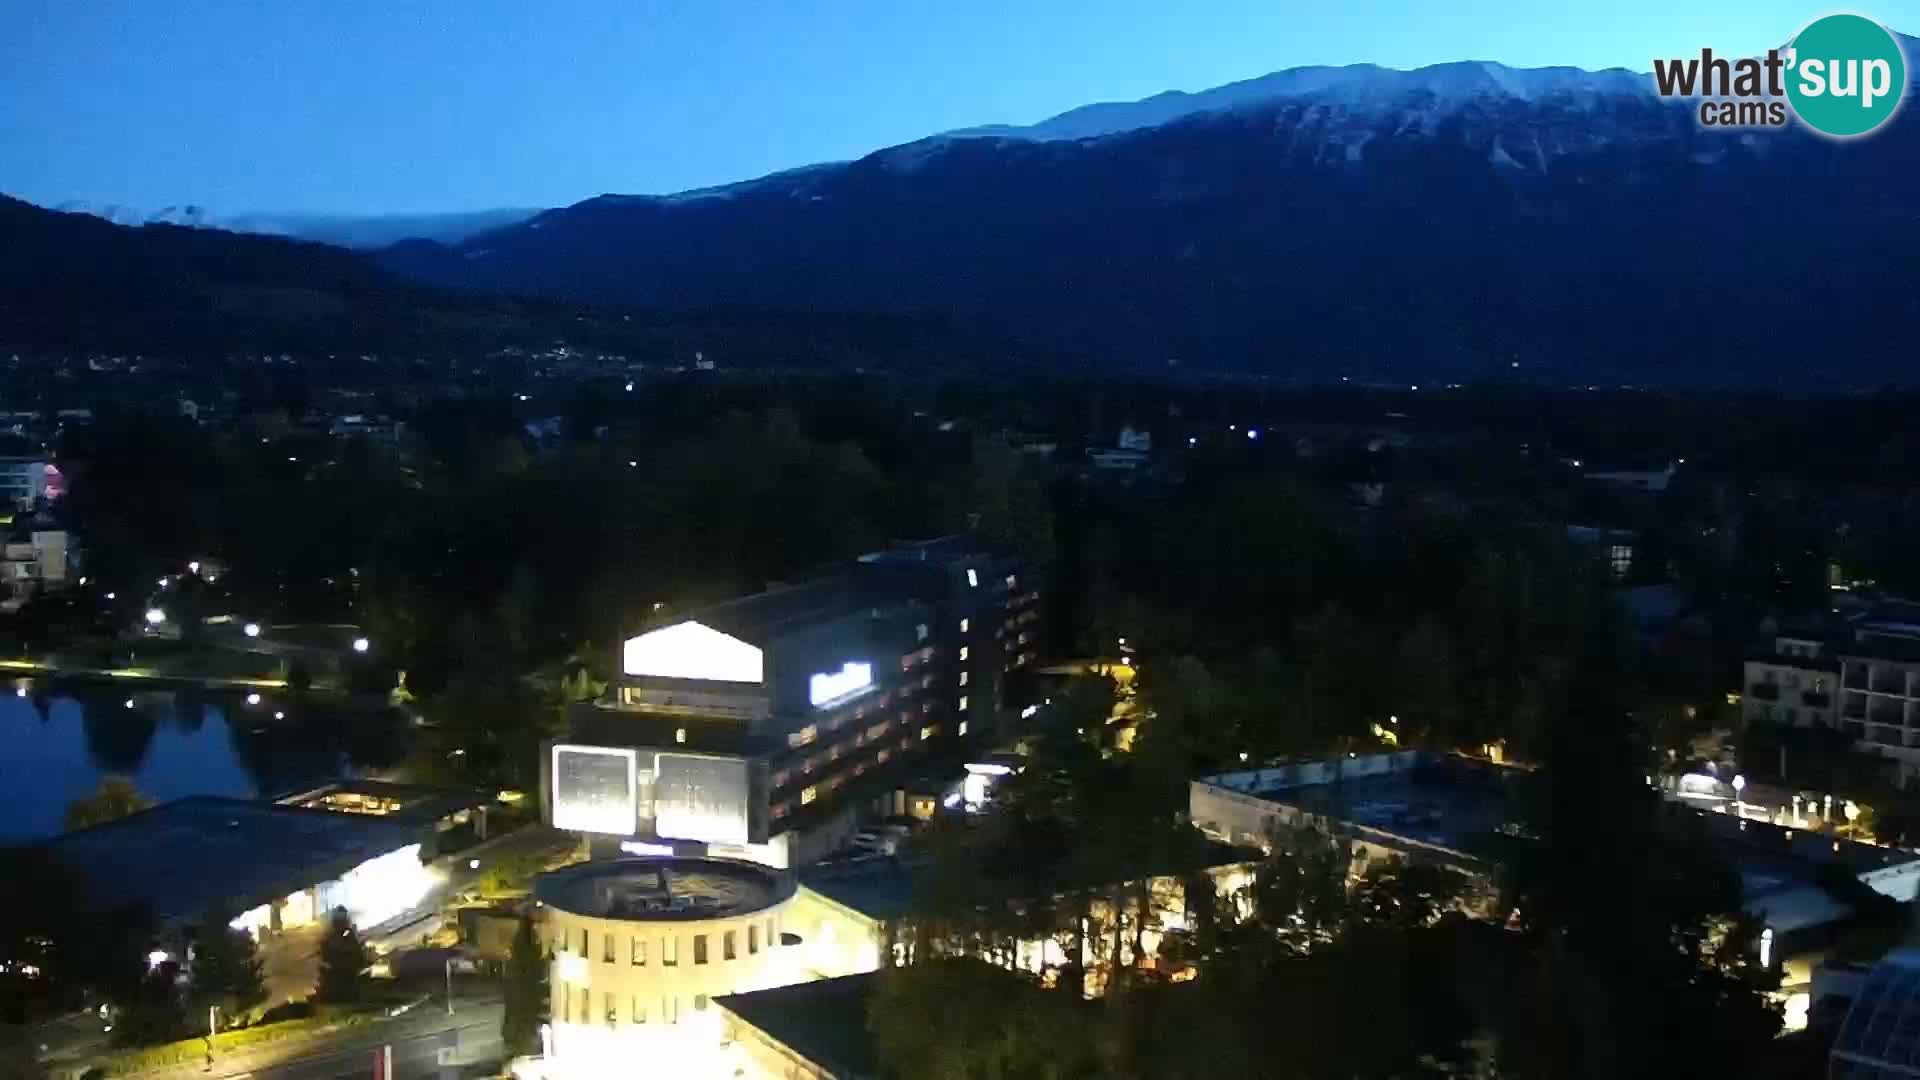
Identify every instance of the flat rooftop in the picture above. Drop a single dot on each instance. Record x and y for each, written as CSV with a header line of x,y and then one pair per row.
x,y
193,856
666,888
414,804
824,1021
1463,812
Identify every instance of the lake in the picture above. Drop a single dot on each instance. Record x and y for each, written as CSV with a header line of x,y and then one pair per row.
x,y
57,743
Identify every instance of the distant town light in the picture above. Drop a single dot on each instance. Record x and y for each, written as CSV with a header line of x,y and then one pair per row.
x,y
253,698
361,644
128,703
193,567
155,616
1253,433
110,596
473,864
157,957
629,388
278,715
19,691
1191,441
522,397
163,581
252,629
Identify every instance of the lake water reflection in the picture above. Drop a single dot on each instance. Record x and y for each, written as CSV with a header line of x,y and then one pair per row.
x,y
57,743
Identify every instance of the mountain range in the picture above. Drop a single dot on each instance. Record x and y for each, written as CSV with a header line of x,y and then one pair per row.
x,y
1441,224
343,230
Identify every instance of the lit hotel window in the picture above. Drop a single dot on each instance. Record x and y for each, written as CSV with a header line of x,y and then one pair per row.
x,y
1011,581
973,578
963,703
963,678
922,631
680,735
808,794
962,730
964,650
804,736
929,732
964,623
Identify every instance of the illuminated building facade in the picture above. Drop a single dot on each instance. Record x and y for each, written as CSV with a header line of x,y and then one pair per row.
x,y
264,867
641,947
756,727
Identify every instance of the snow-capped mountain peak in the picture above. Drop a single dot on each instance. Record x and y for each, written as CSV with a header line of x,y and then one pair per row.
x,y
1364,87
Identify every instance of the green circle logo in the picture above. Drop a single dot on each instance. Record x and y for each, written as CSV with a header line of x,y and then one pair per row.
x,y
1845,75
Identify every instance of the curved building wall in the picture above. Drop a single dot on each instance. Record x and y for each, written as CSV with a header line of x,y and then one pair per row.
x,y
626,983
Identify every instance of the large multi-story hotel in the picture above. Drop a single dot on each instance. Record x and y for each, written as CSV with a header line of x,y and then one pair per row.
x,y
758,728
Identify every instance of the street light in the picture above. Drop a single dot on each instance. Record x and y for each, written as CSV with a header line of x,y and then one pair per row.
x,y
252,629
1739,785
361,644
155,616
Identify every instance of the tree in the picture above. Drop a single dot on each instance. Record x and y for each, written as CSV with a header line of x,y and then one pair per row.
x,y
115,798
525,992
344,960
227,969
1636,959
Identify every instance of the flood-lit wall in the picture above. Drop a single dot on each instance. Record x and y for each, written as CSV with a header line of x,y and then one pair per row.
x,y
623,985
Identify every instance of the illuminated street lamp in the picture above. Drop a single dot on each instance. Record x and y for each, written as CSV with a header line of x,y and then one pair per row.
x,y
252,629
155,616
361,644
1739,785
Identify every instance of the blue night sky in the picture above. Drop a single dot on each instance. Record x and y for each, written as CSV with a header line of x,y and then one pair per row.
x,y
393,105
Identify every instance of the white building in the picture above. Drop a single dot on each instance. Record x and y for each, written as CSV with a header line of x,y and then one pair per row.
x,y
1796,684
641,947
24,481
1880,692
36,560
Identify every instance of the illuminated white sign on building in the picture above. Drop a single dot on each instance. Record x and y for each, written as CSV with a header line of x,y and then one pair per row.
x,y
831,686
701,797
595,789
690,650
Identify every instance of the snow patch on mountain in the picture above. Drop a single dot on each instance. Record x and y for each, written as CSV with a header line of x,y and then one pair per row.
x,y
1362,88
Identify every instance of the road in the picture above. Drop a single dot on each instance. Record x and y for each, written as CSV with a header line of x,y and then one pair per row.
x,y
475,1042
472,1035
